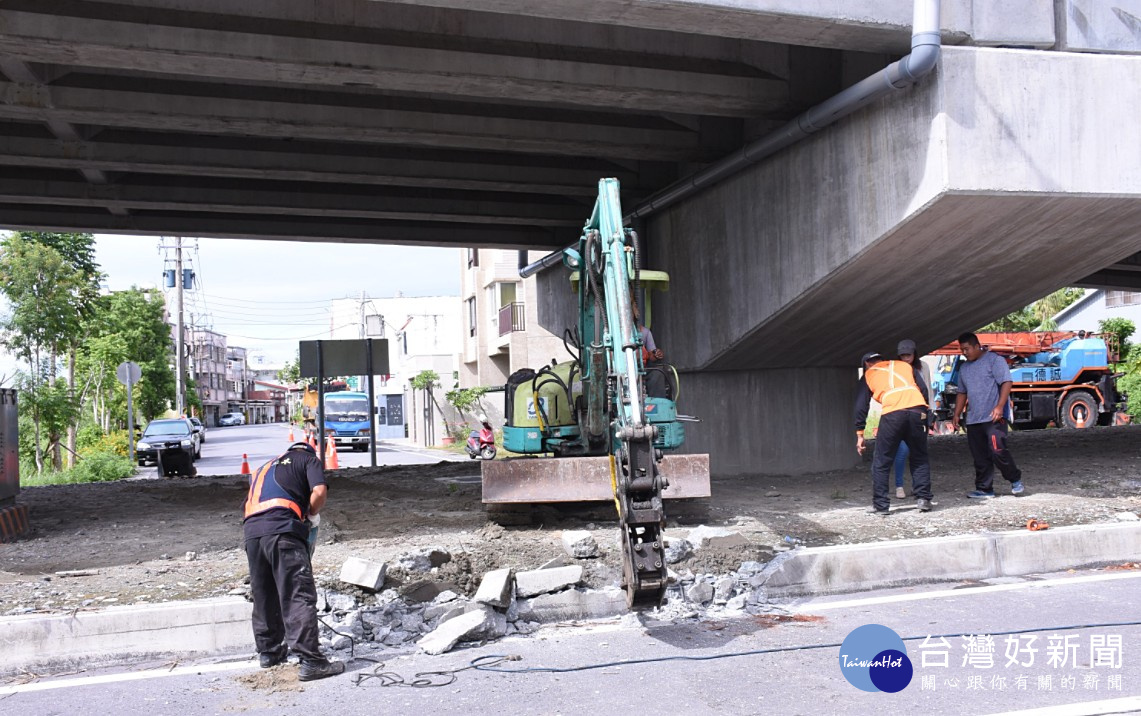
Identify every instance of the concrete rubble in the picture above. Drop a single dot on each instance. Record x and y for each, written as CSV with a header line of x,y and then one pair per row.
x,y
579,544
543,581
363,573
424,559
434,616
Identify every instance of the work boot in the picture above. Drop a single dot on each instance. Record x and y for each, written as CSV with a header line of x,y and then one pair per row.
x,y
311,670
273,657
878,513
923,505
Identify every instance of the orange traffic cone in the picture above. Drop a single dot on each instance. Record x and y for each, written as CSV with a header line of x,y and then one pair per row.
x,y
245,465
291,434
1079,417
331,461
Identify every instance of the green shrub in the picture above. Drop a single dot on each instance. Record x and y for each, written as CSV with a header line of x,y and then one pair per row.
x,y
102,467
113,443
92,467
1131,384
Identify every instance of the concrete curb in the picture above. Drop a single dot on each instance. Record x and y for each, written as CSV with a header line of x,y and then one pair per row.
x,y
861,567
114,635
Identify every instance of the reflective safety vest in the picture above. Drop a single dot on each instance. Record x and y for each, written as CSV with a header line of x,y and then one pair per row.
x,y
893,385
266,494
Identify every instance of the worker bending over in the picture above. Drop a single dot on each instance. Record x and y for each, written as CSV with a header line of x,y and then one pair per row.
x,y
897,387
285,493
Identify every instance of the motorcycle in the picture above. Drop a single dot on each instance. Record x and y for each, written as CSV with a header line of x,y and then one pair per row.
x,y
481,443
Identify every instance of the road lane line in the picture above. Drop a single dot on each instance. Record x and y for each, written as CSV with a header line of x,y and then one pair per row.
x,y
944,593
127,676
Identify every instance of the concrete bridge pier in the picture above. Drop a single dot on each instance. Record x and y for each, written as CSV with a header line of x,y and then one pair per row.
x,y
771,421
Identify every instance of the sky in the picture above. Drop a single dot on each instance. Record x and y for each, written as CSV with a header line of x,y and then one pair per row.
x,y
267,295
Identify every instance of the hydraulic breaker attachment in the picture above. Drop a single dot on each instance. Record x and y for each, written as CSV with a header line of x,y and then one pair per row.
x,y
638,493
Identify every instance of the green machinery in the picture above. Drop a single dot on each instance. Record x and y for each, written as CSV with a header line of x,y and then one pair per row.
x,y
593,413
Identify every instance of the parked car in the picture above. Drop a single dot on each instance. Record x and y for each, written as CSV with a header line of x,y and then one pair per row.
x,y
232,419
199,428
172,445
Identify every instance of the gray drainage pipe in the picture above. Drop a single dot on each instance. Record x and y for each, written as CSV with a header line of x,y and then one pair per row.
x,y
925,42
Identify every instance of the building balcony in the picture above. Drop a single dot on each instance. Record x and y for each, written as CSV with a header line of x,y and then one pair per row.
x,y
512,318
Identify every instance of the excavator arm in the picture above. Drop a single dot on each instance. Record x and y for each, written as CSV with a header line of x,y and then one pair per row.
x,y
614,418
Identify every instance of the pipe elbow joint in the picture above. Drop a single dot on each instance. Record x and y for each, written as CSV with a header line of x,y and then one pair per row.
x,y
922,59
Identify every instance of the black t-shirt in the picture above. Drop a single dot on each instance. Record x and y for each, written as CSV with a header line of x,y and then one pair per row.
x,y
298,472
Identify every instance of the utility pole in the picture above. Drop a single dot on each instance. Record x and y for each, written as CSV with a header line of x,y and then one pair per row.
x,y
179,383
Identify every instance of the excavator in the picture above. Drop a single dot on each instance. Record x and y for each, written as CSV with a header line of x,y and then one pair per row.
x,y
593,414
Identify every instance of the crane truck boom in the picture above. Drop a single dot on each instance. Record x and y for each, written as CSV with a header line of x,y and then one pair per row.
x,y
595,411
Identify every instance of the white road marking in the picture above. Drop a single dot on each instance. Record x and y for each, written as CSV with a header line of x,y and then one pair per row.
x,y
944,593
1128,704
127,676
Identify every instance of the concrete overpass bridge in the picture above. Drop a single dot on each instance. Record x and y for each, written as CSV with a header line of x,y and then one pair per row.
x,y
1014,168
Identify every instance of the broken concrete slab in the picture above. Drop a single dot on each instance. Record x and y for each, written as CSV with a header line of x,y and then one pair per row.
x,y
716,537
700,593
579,544
363,573
723,589
476,624
495,588
573,604
678,549
542,581
559,561
338,602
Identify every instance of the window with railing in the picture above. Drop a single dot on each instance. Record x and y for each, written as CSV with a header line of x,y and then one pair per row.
x,y
512,318
471,316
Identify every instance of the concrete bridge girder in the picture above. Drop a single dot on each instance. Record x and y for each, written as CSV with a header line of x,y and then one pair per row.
x,y
932,212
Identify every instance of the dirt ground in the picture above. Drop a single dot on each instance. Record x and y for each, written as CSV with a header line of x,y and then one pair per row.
x,y
148,541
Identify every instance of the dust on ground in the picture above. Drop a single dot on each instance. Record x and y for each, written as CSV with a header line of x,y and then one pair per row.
x,y
280,678
133,537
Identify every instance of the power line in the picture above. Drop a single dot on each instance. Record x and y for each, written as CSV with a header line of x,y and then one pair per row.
x,y
293,338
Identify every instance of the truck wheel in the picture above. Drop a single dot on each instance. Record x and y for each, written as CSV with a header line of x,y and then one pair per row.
x,y
1079,409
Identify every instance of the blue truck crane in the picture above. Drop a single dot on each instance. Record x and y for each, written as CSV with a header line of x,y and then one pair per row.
x,y
1060,377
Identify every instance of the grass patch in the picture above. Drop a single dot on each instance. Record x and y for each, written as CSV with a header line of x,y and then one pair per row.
x,y
94,467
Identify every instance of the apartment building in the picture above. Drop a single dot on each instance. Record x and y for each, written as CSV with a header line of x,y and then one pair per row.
x,y
501,332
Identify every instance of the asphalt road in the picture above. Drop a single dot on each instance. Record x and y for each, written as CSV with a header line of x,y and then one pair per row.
x,y
799,674
222,452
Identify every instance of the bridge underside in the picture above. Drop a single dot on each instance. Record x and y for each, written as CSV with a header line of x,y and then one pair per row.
x,y
385,122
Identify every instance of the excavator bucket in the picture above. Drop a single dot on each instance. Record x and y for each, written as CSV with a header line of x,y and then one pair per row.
x,y
538,480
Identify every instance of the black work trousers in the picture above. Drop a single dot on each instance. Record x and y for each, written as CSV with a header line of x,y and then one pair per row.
x,y
910,425
989,450
285,597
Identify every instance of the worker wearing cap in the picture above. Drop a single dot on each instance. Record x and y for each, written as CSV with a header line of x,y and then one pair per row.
x,y
286,494
907,353
898,387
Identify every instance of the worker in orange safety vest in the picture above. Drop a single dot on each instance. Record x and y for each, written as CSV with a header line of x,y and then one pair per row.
x,y
899,389
285,496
